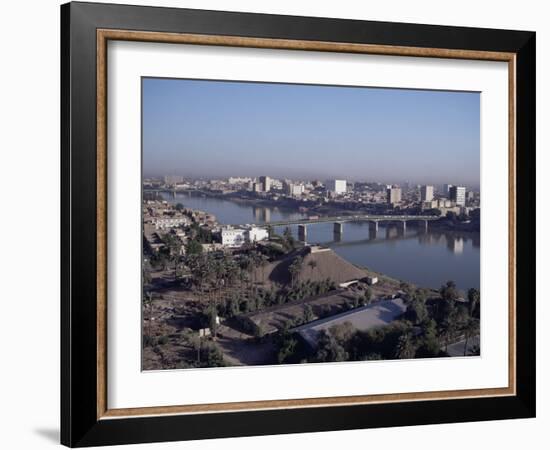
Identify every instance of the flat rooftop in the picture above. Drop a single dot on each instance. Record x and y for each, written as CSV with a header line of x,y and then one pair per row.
x,y
363,318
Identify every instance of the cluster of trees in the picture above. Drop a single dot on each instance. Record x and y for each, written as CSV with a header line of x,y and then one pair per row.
x,y
200,234
260,298
206,353
424,331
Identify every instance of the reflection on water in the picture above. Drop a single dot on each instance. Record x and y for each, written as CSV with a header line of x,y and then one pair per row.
x,y
425,257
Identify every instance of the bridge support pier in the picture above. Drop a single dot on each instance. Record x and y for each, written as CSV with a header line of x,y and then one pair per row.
x,y
338,228
403,226
302,232
373,229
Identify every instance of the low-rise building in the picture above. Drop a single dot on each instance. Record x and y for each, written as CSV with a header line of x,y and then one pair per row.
x,y
363,318
233,237
256,234
163,223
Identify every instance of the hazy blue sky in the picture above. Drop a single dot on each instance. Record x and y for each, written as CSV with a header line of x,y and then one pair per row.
x,y
218,129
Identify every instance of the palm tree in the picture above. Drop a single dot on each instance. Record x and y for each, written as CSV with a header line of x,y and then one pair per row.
x,y
471,329
312,265
295,268
406,347
148,301
473,300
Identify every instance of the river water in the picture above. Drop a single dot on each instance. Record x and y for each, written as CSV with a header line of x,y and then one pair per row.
x,y
426,258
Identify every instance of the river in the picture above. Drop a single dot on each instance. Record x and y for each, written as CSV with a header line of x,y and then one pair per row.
x,y
426,258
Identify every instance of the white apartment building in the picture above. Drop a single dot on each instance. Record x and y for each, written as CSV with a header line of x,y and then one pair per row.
x,y
236,237
426,193
265,183
336,186
295,190
393,194
233,237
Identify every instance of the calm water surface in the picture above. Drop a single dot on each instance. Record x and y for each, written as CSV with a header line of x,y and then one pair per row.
x,y
424,258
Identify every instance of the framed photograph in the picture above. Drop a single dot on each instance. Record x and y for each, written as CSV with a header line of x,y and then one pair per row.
x,y
277,224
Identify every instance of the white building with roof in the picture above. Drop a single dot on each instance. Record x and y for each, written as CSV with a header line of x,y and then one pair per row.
x,y
233,237
336,186
256,234
163,223
236,237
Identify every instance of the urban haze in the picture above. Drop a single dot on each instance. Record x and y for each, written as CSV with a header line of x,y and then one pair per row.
x,y
220,129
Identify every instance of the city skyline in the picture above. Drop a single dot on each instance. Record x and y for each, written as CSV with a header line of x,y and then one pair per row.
x,y
213,129
405,183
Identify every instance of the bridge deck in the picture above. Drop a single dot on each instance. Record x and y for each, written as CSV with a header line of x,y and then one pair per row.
x,y
306,221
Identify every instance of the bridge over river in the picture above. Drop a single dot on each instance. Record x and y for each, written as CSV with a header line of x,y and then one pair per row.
x,y
339,221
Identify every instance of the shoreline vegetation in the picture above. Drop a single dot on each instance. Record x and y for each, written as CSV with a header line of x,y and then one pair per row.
x,y
284,302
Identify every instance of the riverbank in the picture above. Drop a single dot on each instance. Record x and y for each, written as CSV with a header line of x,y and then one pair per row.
x,y
420,256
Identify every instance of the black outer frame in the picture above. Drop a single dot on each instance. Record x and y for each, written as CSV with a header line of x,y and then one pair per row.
x,y
79,424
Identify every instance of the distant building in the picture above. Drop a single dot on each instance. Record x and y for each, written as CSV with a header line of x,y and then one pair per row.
x,y
257,187
447,188
276,184
265,182
171,180
294,190
426,193
336,186
238,180
393,194
458,195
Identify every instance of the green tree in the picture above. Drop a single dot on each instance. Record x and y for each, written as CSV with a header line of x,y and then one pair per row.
x,y
368,295
193,247
470,330
416,311
308,313
212,356
448,327
407,289
148,303
329,349
295,268
312,265
473,302
211,315
287,348
449,291
406,347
